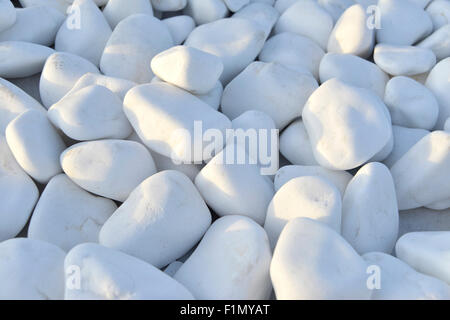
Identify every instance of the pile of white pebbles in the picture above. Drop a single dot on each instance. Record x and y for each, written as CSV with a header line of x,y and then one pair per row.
x,y
102,198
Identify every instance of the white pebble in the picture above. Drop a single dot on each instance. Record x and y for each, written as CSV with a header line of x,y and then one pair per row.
x,y
439,11
117,10
180,27
262,14
438,42
439,84
7,15
295,145
206,11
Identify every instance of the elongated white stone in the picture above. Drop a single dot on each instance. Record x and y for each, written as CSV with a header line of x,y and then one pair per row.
x,y
438,42
109,168
220,269
261,13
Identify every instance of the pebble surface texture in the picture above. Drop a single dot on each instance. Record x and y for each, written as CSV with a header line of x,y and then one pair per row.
x,y
225,149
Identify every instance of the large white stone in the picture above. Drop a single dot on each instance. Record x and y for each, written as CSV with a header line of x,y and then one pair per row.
x,y
22,59
206,11
231,262
165,118
369,210
232,188
339,179
401,282
295,145
132,45
91,113
88,39
119,86
34,24
307,197
404,60
67,215
404,139
411,104
261,13
346,125
438,42
353,70
188,68
18,194
269,87
8,15
438,82
439,11
109,168
312,261
14,102
61,71
35,144
117,10
293,51
351,34
308,19
427,252
166,212
422,175
107,274
180,27
236,41
402,22
31,270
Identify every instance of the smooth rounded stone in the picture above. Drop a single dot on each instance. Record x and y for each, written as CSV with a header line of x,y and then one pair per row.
x,y
31,270
422,175
66,215
166,117
60,5
354,71
346,125
369,210
401,282
404,60
336,7
295,145
109,168
132,45
60,73
164,163
233,188
339,179
206,11
427,252
438,82
293,51
172,268
439,11
236,41
258,127
438,42
18,194
188,68
180,27
306,197
7,15
91,113
166,212
168,5
404,139
118,86
309,19
35,144
411,104
231,262
351,34
14,102
87,40
117,10
107,274
402,22
261,13
22,59
269,87
34,24
424,219
312,261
